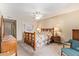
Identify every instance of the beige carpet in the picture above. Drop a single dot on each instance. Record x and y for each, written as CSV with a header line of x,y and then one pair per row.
x,y
53,49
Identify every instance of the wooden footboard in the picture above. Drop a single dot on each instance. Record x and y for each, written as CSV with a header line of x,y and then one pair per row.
x,y
30,39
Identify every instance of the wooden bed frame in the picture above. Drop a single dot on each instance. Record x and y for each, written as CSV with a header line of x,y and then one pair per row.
x,y
30,39
47,29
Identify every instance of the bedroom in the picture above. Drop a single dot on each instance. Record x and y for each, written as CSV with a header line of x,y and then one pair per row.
x,y
56,19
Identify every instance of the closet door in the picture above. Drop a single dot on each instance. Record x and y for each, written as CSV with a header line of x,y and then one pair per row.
x,y
75,34
1,30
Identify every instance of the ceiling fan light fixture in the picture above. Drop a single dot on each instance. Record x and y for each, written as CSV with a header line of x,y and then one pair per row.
x,y
37,15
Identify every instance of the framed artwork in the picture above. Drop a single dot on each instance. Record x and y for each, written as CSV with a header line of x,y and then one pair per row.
x,y
28,27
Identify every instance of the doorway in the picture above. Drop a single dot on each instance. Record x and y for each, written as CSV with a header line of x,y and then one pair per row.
x,y
10,27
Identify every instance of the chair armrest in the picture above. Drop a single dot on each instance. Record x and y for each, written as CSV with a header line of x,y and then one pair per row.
x,y
66,44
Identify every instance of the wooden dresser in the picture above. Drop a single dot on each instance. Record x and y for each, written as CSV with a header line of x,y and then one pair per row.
x,y
57,39
75,34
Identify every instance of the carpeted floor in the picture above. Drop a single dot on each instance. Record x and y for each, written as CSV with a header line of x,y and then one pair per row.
x,y
53,49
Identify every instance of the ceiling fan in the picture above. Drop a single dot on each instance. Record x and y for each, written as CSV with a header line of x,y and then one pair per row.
x,y
37,15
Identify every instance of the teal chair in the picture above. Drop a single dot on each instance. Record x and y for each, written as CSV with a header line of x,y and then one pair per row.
x,y
73,50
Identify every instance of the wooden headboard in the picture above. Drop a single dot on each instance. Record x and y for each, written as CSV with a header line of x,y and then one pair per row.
x,y
30,39
75,34
48,29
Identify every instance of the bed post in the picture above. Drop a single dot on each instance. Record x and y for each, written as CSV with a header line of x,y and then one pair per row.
x,y
34,41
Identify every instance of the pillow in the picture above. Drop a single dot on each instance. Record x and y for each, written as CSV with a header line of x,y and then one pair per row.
x,y
75,44
70,41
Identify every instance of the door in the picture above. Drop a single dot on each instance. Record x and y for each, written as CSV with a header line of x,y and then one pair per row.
x,y
75,34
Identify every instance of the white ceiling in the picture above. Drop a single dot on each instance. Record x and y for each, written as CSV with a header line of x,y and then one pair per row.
x,y
25,10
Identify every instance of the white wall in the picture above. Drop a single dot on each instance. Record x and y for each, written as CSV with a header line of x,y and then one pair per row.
x,y
19,30
24,25
66,22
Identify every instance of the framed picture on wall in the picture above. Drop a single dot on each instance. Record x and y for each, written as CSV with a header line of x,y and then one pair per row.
x,y
28,27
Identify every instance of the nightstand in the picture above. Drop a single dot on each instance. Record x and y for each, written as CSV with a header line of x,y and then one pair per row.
x,y
57,39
